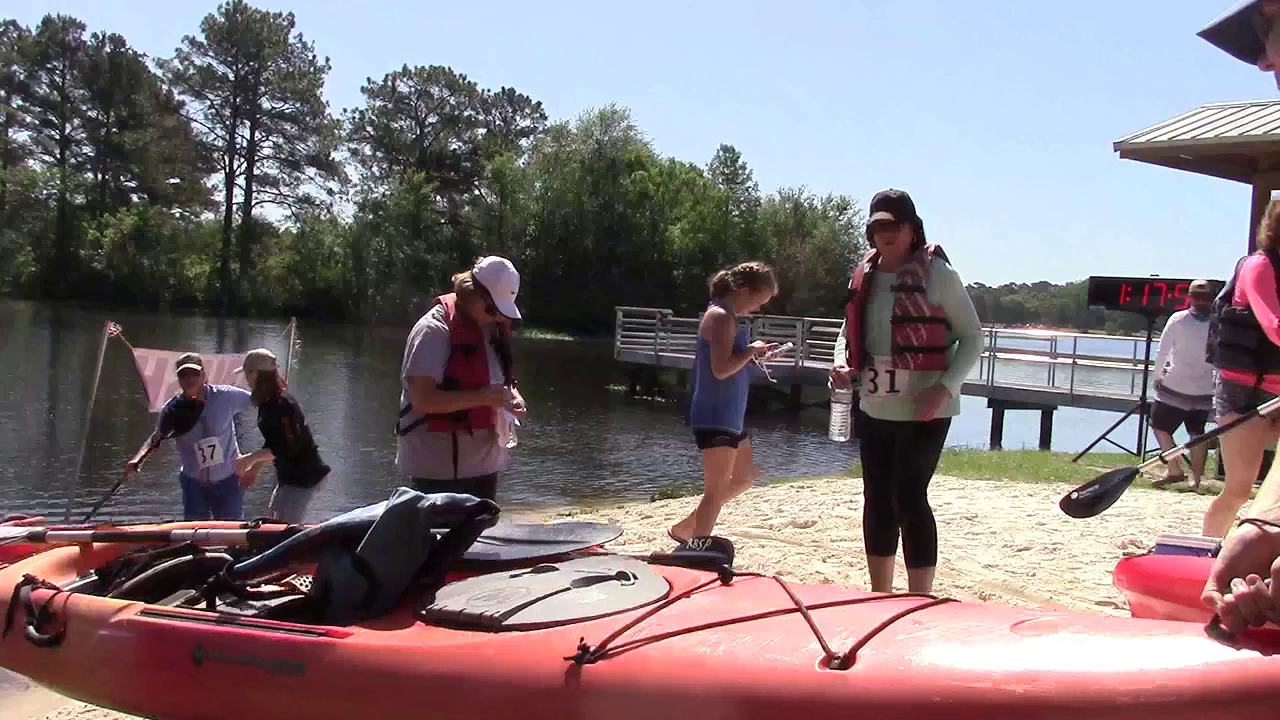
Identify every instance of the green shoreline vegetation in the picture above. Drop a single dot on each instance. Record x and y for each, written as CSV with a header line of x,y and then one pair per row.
x,y
125,183
1009,465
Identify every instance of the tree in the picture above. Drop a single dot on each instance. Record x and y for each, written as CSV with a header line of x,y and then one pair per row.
x,y
14,42
53,99
738,199
812,241
141,147
254,90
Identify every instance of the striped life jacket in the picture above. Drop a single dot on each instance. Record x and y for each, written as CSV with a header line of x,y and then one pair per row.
x,y
919,326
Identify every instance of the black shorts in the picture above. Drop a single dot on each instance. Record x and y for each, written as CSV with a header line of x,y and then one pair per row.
x,y
1167,418
483,486
718,438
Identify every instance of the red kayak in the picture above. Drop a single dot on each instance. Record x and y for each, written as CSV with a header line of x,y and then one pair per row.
x,y
600,635
13,552
1164,587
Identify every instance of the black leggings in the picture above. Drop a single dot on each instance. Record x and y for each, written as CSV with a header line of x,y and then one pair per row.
x,y
898,460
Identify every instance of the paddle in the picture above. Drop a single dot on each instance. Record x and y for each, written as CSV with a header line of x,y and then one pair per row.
x,y
709,552
178,420
578,535
1102,492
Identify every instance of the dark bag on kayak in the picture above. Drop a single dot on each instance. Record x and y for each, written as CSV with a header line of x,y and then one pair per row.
x,y
400,548
367,558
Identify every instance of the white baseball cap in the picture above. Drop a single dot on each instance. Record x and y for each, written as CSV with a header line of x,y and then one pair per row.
x,y
500,278
257,360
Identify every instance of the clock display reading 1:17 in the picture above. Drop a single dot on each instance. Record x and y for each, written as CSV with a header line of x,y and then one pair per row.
x,y
1146,295
1154,294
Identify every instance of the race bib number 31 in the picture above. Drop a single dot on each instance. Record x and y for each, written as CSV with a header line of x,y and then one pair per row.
x,y
881,379
208,452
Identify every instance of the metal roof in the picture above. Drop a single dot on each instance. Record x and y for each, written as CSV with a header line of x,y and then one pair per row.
x,y
1235,140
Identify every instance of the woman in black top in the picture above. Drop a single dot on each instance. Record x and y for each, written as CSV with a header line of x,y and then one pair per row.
x,y
287,439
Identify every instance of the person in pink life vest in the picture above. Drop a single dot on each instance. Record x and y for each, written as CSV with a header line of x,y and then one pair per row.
x,y
1236,589
909,338
458,385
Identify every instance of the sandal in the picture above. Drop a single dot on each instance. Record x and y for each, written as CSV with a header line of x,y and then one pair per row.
x,y
671,534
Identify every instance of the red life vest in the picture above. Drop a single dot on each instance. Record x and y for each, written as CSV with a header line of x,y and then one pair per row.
x,y
466,369
919,326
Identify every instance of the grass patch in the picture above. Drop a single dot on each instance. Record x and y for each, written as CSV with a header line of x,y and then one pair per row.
x,y
1054,467
537,333
671,491
1029,465
792,479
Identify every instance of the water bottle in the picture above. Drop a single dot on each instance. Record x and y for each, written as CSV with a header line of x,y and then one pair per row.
x,y
838,429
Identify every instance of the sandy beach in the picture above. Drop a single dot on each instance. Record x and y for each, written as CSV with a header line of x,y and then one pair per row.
x,y
1000,542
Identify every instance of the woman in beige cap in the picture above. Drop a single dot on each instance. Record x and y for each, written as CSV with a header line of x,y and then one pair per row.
x,y
287,439
458,390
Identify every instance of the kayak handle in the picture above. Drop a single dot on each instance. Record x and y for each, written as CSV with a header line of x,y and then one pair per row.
x,y
43,640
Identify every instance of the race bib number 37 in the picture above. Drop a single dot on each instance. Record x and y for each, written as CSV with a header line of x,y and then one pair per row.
x,y
881,379
208,452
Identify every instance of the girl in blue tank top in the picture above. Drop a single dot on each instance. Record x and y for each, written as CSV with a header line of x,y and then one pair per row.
x,y
720,383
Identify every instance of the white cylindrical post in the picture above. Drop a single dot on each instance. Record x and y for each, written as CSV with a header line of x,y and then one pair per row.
x,y
88,418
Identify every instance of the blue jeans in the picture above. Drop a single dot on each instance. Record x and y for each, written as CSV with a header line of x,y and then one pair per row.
x,y
219,500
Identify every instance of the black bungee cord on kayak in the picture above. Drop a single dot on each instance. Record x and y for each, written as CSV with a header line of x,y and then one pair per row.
x,y
587,654
37,618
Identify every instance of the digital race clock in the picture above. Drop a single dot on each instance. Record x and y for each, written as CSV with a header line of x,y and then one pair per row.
x,y
1146,295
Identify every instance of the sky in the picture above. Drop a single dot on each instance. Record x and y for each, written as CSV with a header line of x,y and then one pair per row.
x,y
997,116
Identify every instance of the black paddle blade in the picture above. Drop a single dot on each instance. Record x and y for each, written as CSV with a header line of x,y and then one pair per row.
x,y
1098,494
180,417
720,546
692,559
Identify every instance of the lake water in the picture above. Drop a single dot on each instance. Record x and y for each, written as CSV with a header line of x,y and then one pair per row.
x,y
583,442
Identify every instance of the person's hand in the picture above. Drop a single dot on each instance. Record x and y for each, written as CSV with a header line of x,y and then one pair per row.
x,y
841,376
130,469
1235,588
250,476
760,347
244,465
518,407
930,401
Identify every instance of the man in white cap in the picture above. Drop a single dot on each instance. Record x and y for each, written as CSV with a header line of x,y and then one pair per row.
x,y
1184,381
458,394
211,489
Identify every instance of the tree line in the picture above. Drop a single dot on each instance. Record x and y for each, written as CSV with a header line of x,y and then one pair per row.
x,y
219,179
1045,304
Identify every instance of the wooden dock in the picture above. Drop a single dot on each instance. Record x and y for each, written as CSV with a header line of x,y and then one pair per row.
x,y
1018,370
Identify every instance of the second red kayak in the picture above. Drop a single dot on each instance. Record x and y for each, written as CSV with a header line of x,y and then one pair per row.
x,y
1164,587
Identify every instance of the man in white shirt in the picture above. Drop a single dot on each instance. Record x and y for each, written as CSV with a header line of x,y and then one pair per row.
x,y
1184,381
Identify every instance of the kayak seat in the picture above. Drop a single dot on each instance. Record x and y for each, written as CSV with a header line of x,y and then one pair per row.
x,y
171,576
546,595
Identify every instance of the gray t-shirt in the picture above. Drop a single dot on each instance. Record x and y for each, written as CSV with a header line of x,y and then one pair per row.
x,y
424,454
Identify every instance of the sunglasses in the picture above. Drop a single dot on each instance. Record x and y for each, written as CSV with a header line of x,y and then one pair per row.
x,y
890,225
188,374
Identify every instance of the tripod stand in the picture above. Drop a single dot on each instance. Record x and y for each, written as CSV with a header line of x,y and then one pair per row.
x,y
1142,408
